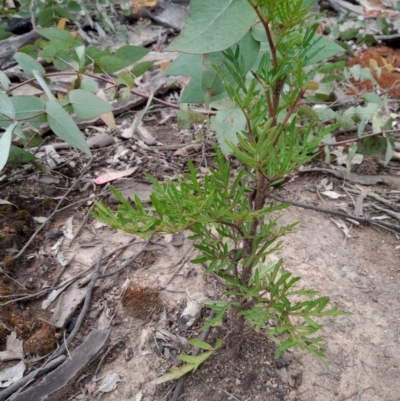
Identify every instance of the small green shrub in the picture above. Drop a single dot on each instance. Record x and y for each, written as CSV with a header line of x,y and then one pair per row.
x,y
254,62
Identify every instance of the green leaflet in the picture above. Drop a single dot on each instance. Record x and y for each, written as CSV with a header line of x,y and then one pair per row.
x,y
214,26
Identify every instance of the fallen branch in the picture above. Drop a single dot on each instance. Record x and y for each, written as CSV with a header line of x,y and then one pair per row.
x,y
340,214
31,376
130,260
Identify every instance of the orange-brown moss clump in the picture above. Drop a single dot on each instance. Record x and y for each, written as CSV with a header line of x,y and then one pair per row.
x,y
17,323
42,341
48,205
5,287
141,300
6,240
24,215
9,263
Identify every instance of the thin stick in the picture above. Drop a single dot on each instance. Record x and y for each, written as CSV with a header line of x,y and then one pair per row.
x,y
69,354
131,260
229,394
358,393
12,279
181,263
335,213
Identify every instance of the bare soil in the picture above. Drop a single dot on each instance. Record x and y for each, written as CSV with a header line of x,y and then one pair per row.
x,y
360,273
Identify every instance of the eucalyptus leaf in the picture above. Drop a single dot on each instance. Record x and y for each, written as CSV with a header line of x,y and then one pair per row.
x,y
28,108
189,65
187,117
5,143
372,145
130,54
29,64
64,126
89,84
56,34
123,57
43,84
389,152
140,68
4,80
20,156
214,26
86,105
227,124
7,110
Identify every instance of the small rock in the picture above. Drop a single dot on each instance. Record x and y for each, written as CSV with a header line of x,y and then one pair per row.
x,y
282,373
282,361
128,354
285,360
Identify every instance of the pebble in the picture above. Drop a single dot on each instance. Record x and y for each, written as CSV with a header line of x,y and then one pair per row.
x,y
282,373
285,360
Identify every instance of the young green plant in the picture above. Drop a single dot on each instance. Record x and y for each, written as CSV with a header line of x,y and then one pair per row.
x,y
232,214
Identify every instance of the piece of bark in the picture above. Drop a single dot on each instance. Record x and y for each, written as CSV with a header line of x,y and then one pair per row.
x,y
52,387
7,392
67,305
10,46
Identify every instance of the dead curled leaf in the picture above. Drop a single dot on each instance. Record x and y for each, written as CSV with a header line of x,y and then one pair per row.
x,y
194,147
114,175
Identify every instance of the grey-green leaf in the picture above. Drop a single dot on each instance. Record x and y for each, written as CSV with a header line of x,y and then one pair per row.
x,y
28,107
43,84
323,48
200,68
20,156
56,34
89,84
86,105
226,124
64,126
4,81
29,64
214,26
5,144
189,65
7,110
